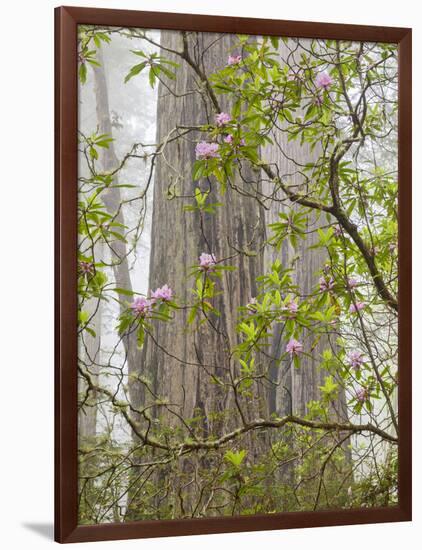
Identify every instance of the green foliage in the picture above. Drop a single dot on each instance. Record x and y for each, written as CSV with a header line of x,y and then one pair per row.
x,y
158,67
291,226
340,203
86,55
235,458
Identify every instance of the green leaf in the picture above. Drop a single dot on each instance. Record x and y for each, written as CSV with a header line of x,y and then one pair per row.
x,y
123,291
168,73
82,73
140,53
93,153
274,41
198,170
140,337
235,457
83,317
192,315
136,69
118,236
152,77
329,389
124,323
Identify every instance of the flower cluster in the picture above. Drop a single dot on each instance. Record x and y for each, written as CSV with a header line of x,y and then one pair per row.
x,y
234,59
326,284
141,306
207,261
352,282
358,306
86,268
337,231
206,150
355,359
222,119
294,347
291,308
362,394
165,293
323,80
229,139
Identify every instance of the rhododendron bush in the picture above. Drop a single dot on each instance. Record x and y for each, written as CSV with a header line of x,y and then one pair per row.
x,y
237,275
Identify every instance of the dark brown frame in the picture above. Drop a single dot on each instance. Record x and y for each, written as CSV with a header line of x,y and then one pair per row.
x,y
66,166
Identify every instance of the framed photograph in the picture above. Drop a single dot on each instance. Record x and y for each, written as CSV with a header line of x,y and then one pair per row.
x,y
233,274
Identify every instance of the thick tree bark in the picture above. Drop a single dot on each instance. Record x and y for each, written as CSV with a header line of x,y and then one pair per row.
x,y
177,242
177,358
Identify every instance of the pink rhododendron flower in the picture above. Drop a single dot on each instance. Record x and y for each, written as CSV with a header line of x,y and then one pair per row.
x,y
234,59
222,118
354,308
337,231
141,306
352,282
206,150
164,293
294,347
323,80
207,261
355,359
326,284
362,395
292,308
86,268
229,139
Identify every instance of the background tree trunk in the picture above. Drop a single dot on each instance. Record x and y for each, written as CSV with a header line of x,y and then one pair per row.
x,y
119,255
294,387
112,201
302,384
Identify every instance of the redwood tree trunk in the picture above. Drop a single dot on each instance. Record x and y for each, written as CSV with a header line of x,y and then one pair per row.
x,y
177,242
181,358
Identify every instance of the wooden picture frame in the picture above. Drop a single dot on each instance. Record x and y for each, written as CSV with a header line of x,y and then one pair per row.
x,y
66,165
